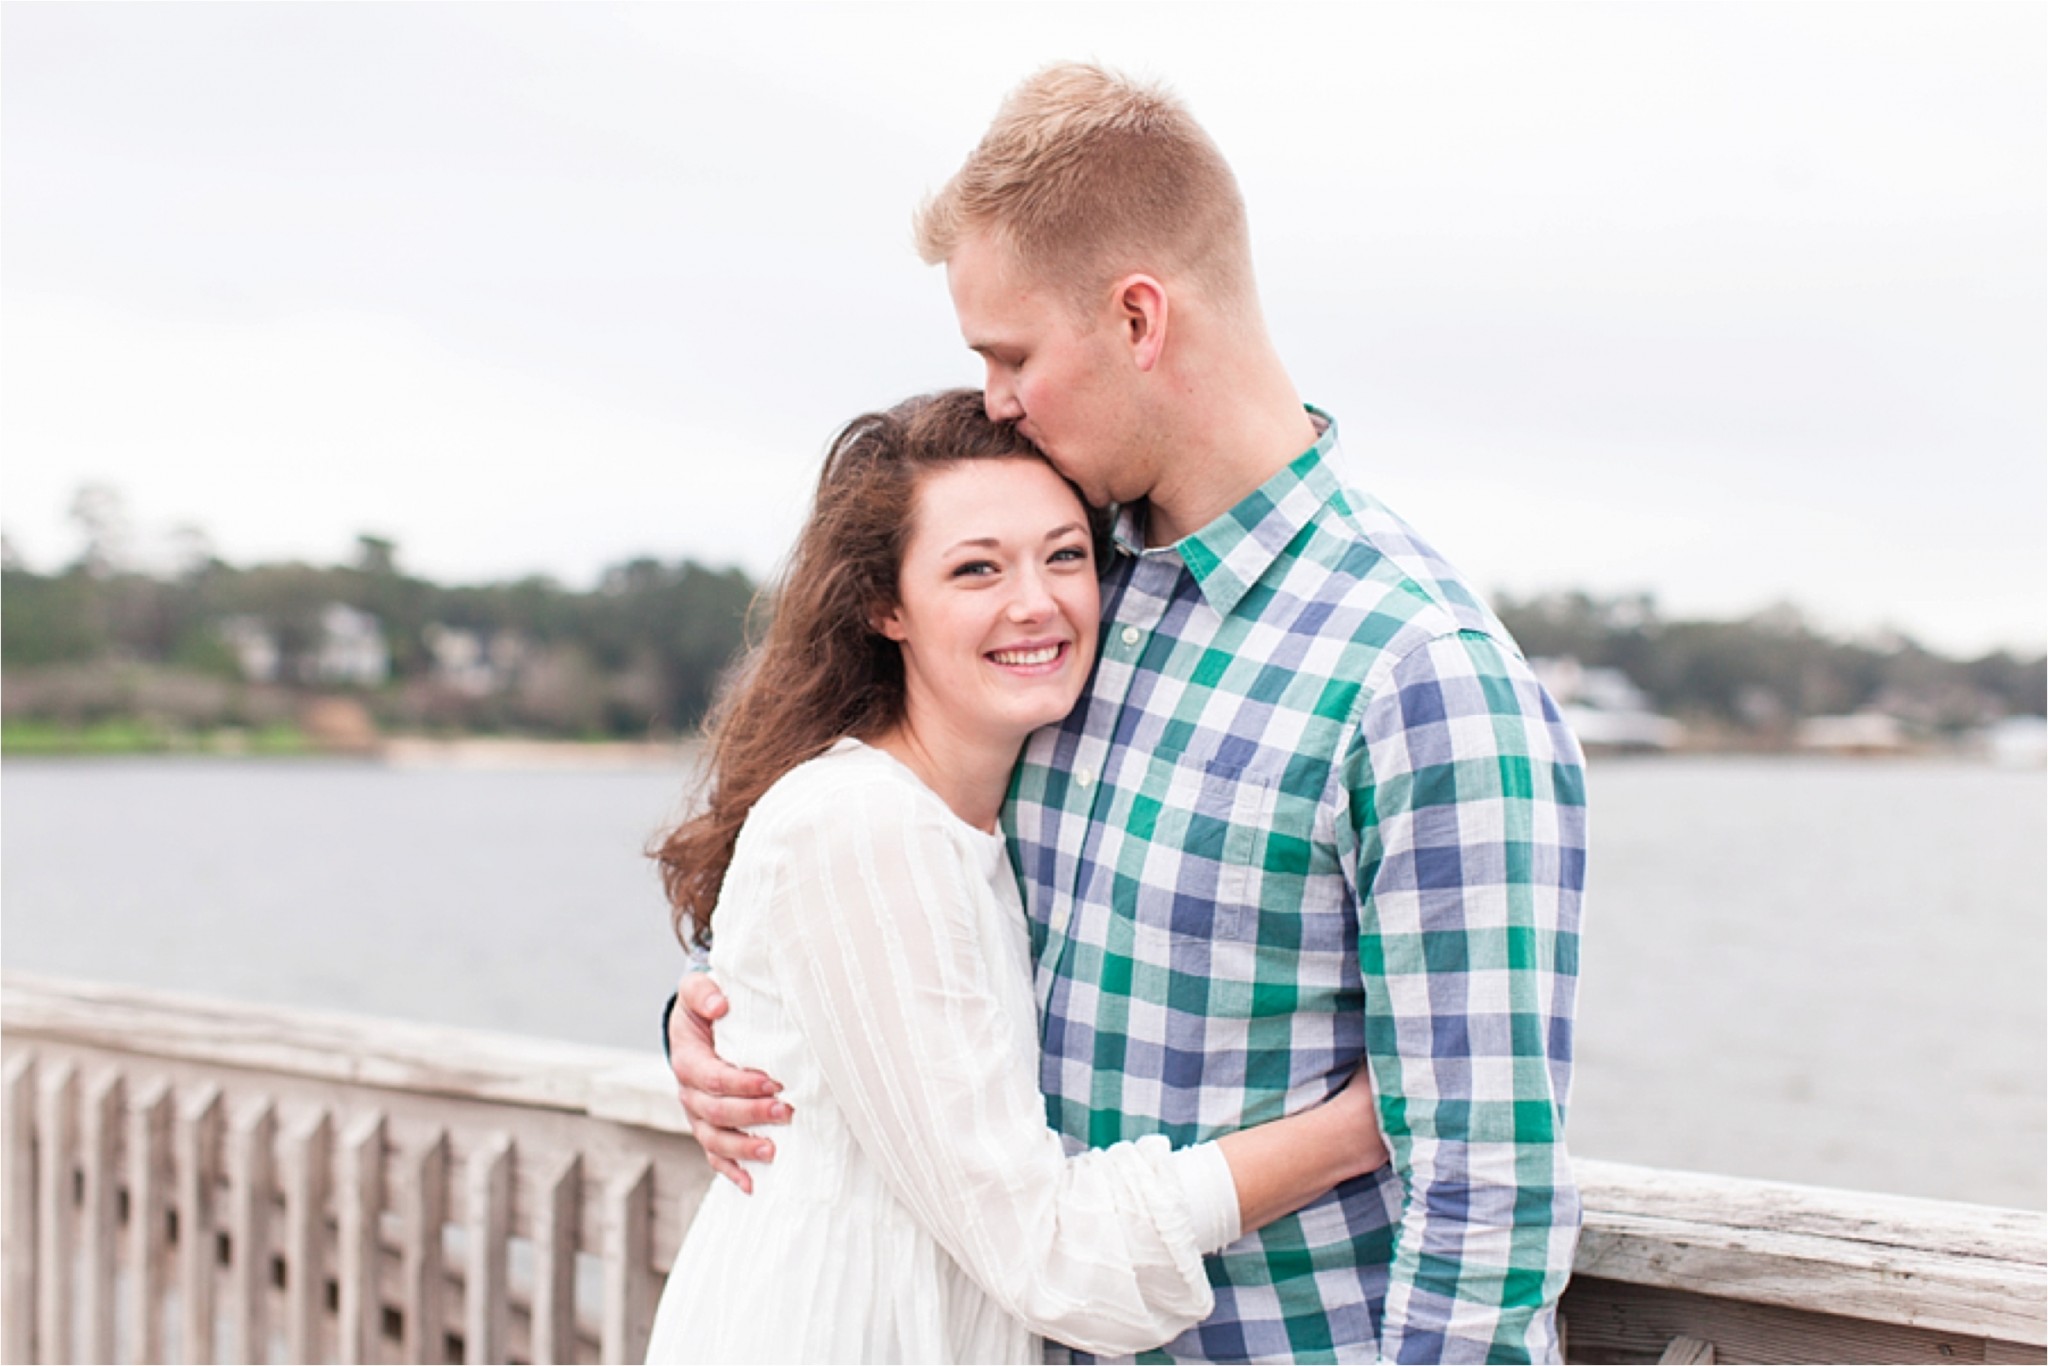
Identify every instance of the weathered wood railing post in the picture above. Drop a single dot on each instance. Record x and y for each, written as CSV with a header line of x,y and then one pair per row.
x,y
358,1203
56,1216
101,1223
198,1158
252,1140
423,1338
559,1215
490,1225
307,1163
18,1181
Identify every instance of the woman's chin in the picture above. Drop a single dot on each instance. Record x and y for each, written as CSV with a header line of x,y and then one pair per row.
x,y
1032,715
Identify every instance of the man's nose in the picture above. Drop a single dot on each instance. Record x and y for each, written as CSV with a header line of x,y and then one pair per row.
x,y
999,397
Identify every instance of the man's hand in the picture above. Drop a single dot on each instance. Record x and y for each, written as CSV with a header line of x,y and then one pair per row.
x,y
720,1099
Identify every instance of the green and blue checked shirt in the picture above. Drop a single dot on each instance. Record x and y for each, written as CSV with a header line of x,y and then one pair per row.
x,y
1314,810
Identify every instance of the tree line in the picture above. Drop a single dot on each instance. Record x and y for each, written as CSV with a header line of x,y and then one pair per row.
x,y
1756,677
638,654
642,651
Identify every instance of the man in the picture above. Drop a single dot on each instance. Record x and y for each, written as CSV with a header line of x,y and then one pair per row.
x,y
1313,809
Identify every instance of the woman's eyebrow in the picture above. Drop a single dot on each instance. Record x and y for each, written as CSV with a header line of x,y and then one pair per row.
x,y
979,542
995,543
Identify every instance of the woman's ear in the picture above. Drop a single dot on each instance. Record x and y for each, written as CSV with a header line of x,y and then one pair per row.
x,y
888,622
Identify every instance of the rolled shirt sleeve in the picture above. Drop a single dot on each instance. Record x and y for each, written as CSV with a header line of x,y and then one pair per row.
x,y
1467,806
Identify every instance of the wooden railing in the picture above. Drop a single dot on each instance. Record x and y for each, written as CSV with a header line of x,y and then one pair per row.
x,y
194,1180
1672,1263
200,1181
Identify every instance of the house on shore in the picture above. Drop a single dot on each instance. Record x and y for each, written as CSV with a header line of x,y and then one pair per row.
x,y
1605,708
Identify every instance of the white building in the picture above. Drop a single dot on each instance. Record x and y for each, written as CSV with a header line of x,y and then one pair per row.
x,y
2016,742
1604,707
254,647
465,664
352,648
1865,732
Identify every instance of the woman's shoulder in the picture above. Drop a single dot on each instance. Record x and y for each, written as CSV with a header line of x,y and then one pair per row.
x,y
849,777
856,814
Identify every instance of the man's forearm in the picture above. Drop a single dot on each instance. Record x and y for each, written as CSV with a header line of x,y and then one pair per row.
x,y
1469,808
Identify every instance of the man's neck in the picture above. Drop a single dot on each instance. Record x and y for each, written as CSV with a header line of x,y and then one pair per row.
x,y
1222,462
1224,418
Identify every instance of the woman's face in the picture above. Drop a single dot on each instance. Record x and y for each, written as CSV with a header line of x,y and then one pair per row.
x,y
996,600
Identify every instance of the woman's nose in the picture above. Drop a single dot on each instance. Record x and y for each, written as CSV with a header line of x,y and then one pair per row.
x,y
1032,601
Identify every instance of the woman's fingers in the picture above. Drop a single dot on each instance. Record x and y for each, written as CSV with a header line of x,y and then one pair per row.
x,y
725,1148
721,1100
733,1172
694,1059
724,1114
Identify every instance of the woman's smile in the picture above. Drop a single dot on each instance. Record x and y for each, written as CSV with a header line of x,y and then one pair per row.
x,y
1036,658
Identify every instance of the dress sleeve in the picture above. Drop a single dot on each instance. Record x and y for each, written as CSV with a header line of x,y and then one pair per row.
x,y
893,985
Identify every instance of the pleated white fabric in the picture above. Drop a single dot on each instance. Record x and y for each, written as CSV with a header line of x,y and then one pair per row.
x,y
918,1209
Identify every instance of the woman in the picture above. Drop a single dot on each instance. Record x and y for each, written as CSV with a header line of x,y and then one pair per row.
x,y
940,605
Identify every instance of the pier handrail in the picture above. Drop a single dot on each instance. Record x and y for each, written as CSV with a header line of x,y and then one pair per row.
x,y
411,1192
416,1192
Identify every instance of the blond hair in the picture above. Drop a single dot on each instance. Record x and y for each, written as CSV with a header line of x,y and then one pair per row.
x,y
1085,175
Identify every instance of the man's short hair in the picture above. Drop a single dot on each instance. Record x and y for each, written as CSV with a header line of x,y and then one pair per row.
x,y
1085,175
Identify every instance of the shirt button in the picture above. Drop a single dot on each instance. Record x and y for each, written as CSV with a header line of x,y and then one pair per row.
x,y
1083,778
1132,635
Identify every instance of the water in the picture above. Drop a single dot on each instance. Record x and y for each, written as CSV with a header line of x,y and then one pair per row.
x,y
1820,971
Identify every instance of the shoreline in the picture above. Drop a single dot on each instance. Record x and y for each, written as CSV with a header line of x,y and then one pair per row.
x,y
469,752
495,753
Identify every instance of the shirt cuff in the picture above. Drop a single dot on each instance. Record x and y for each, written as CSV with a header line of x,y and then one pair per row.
x,y
1212,1195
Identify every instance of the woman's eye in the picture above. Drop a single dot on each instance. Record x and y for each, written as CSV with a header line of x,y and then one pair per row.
x,y
1069,554
974,569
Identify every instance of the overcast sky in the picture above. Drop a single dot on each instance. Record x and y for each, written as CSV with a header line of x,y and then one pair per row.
x,y
1730,303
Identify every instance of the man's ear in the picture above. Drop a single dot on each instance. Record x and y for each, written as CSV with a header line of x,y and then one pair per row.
x,y
1142,313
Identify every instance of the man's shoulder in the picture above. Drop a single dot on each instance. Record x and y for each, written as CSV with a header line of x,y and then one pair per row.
x,y
1368,581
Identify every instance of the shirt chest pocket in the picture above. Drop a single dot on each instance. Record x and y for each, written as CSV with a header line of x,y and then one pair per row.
x,y
1215,815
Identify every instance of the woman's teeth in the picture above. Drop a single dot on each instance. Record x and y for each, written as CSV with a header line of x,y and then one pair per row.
x,y
1044,654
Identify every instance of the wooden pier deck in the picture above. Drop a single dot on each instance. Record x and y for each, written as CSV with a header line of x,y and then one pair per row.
x,y
194,1180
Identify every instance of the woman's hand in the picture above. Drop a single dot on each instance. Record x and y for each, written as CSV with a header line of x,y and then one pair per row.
x,y
721,1100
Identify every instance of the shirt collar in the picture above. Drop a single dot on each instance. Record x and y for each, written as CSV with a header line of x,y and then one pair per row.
x,y
1234,552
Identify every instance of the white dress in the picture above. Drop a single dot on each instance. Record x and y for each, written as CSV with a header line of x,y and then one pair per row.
x,y
918,1208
